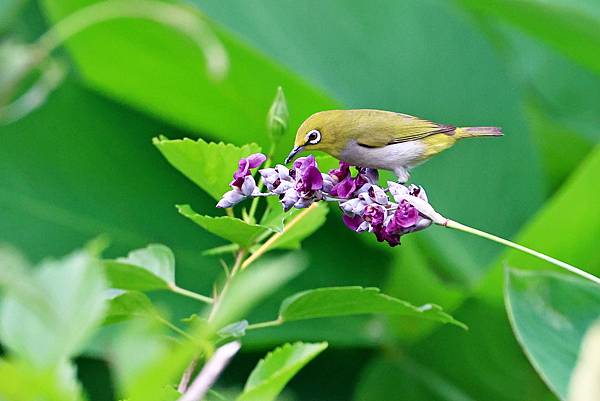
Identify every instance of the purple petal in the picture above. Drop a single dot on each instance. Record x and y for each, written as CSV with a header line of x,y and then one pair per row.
x,y
344,188
230,199
256,160
289,199
352,222
249,185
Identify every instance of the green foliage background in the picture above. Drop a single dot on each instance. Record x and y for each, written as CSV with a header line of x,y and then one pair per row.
x,y
83,164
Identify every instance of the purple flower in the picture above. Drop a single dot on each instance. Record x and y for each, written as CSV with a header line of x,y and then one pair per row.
x,y
244,166
352,222
308,176
341,172
345,188
277,180
353,206
289,199
231,198
404,217
383,235
374,214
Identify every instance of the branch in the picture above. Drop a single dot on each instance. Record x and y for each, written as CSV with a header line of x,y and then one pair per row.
x,y
210,372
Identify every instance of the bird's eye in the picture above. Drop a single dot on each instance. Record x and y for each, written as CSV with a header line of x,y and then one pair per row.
x,y
313,137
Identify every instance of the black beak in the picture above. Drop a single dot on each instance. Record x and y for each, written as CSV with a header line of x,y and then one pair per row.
x,y
293,153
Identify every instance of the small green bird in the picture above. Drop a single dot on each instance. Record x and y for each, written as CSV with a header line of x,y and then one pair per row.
x,y
380,139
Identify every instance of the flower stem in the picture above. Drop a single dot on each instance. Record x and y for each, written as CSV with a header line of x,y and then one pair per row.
x,y
268,243
190,294
461,227
262,325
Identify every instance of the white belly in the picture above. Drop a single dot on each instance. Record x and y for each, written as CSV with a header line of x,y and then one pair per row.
x,y
400,156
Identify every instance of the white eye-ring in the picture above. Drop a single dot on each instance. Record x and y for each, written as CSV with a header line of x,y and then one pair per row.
x,y
313,137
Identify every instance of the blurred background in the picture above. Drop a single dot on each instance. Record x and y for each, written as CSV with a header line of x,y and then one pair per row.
x,y
76,161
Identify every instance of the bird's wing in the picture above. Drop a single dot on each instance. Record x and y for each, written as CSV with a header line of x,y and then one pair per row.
x,y
384,130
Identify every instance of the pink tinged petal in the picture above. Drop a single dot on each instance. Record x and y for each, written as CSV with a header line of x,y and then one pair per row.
x,y
364,226
249,185
313,178
417,191
353,206
303,203
378,195
256,160
230,199
426,209
289,199
398,191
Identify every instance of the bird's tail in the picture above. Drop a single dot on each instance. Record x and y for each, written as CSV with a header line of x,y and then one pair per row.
x,y
469,132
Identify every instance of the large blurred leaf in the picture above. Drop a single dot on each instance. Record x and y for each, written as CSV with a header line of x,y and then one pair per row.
x,y
561,307
274,371
584,384
558,23
253,284
209,165
126,59
342,301
566,228
74,288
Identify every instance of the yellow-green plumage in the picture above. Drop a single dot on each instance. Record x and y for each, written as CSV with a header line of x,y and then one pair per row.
x,y
380,139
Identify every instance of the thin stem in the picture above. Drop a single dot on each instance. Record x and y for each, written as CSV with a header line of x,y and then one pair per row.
x,y
190,294
261,185
268,243
183,383
187,376
461,227
262,325
173,327
210,372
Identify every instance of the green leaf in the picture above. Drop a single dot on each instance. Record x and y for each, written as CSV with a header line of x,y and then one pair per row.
x,y
559,25
128,305
156,258
129,277
145,269
210,165
560,306
252,285
74,287
310,220
345,301
21,382
547,232
273,372
128,63
229,228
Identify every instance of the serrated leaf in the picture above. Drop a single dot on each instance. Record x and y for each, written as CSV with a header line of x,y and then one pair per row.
x,y
273,372
145,269
210,165
560,306
344,301
156,258
128,305
229,228
129,277
74,288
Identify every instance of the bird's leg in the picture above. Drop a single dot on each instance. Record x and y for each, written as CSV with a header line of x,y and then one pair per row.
x,y
402,174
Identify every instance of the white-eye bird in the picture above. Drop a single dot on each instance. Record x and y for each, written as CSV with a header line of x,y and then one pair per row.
x,y
380,139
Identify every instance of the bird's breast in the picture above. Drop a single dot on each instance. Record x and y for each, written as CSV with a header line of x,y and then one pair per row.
x,y
390,157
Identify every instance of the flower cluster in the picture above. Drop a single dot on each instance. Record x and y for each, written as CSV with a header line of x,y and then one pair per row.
x,y
388,213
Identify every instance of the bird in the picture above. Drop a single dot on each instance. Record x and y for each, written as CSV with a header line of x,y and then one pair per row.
x,y
380,139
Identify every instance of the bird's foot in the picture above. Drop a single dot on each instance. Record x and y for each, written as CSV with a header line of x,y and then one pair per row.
x,y
403,175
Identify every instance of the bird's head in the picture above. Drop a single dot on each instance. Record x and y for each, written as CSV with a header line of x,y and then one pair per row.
x,y
321,131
